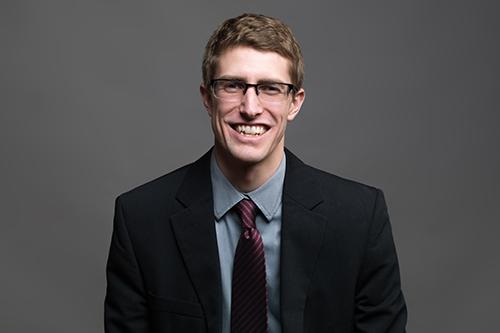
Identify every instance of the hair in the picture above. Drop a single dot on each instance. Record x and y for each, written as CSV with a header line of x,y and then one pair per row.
x,y
260,32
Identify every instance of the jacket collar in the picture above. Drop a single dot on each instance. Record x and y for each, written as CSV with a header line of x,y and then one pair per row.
x,y
299,184
197,186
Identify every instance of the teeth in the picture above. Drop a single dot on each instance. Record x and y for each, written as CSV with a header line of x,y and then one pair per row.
x,y
250,130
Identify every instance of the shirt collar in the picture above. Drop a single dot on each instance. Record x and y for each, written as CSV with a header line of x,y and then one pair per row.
x,y
267,197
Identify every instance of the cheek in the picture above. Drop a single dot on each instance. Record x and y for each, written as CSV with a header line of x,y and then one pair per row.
x,y
282,115
217,119
216,114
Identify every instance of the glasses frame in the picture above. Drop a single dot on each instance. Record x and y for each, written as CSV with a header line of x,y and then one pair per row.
x,y
290,86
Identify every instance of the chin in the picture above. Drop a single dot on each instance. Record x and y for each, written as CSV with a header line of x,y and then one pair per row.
x,y
252,155
247,156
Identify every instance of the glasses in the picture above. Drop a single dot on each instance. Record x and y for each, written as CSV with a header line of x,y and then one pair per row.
x,y
233,90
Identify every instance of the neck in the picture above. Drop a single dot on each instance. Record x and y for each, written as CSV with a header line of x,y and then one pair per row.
x,y
247,177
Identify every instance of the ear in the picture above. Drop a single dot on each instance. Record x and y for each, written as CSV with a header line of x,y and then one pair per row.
x,y
296,104
206,97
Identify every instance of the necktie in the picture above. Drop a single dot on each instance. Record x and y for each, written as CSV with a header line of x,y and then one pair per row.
x,y
249,292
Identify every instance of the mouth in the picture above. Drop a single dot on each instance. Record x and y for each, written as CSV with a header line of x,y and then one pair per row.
x,y
250,130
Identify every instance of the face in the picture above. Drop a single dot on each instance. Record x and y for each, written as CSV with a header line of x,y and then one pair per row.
x,y
248,131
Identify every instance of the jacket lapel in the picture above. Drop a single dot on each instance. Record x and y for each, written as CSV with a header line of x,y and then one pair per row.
x,y
301,240
195,233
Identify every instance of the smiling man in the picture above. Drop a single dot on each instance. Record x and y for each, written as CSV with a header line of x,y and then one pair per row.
x,y
249,120
248,238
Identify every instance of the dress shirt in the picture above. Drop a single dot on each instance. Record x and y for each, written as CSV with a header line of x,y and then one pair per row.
x,y
228,229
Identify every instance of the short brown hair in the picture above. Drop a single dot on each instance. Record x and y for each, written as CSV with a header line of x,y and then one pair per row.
x,y
260,32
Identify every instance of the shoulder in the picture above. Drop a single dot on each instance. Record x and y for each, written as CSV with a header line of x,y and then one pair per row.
x,y
335,191
330,183
164,187
167,187
154,198
335,184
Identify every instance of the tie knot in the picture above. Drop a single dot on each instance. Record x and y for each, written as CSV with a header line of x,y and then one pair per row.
x,y
247,210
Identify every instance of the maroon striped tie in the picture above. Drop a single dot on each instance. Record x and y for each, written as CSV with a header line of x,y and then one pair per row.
x,y
249,292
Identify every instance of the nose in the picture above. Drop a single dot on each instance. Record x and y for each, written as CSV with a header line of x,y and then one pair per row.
x,y
250,104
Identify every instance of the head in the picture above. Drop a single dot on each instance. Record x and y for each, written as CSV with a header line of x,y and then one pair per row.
x,y
252,50
259,32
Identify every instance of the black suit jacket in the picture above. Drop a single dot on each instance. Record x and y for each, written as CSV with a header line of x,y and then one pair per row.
x,y
339,270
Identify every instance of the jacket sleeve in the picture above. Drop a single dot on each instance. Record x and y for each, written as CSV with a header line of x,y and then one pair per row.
x,y
125,309
380,305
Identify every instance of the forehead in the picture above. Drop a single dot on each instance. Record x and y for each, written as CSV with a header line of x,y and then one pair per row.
x,y
253,65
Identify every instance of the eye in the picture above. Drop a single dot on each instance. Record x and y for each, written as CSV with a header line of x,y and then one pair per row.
x,y
270,88
233,86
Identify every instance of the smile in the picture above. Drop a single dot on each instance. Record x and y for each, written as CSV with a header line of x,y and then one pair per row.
x,y
254,130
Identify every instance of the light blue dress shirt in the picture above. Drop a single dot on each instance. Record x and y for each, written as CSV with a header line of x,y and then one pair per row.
x,y
228,229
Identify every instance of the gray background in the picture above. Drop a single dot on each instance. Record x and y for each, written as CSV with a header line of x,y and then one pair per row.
x,y
97,97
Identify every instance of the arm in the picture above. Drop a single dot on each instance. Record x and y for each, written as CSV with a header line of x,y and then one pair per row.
x,y
380,305
125,308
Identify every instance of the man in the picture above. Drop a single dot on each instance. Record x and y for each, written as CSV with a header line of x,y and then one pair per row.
x,y
248,238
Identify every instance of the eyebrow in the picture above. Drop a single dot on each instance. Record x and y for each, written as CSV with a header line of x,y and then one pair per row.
x,y
239,78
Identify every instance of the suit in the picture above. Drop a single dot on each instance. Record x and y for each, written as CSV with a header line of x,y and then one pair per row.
x,y
339,269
